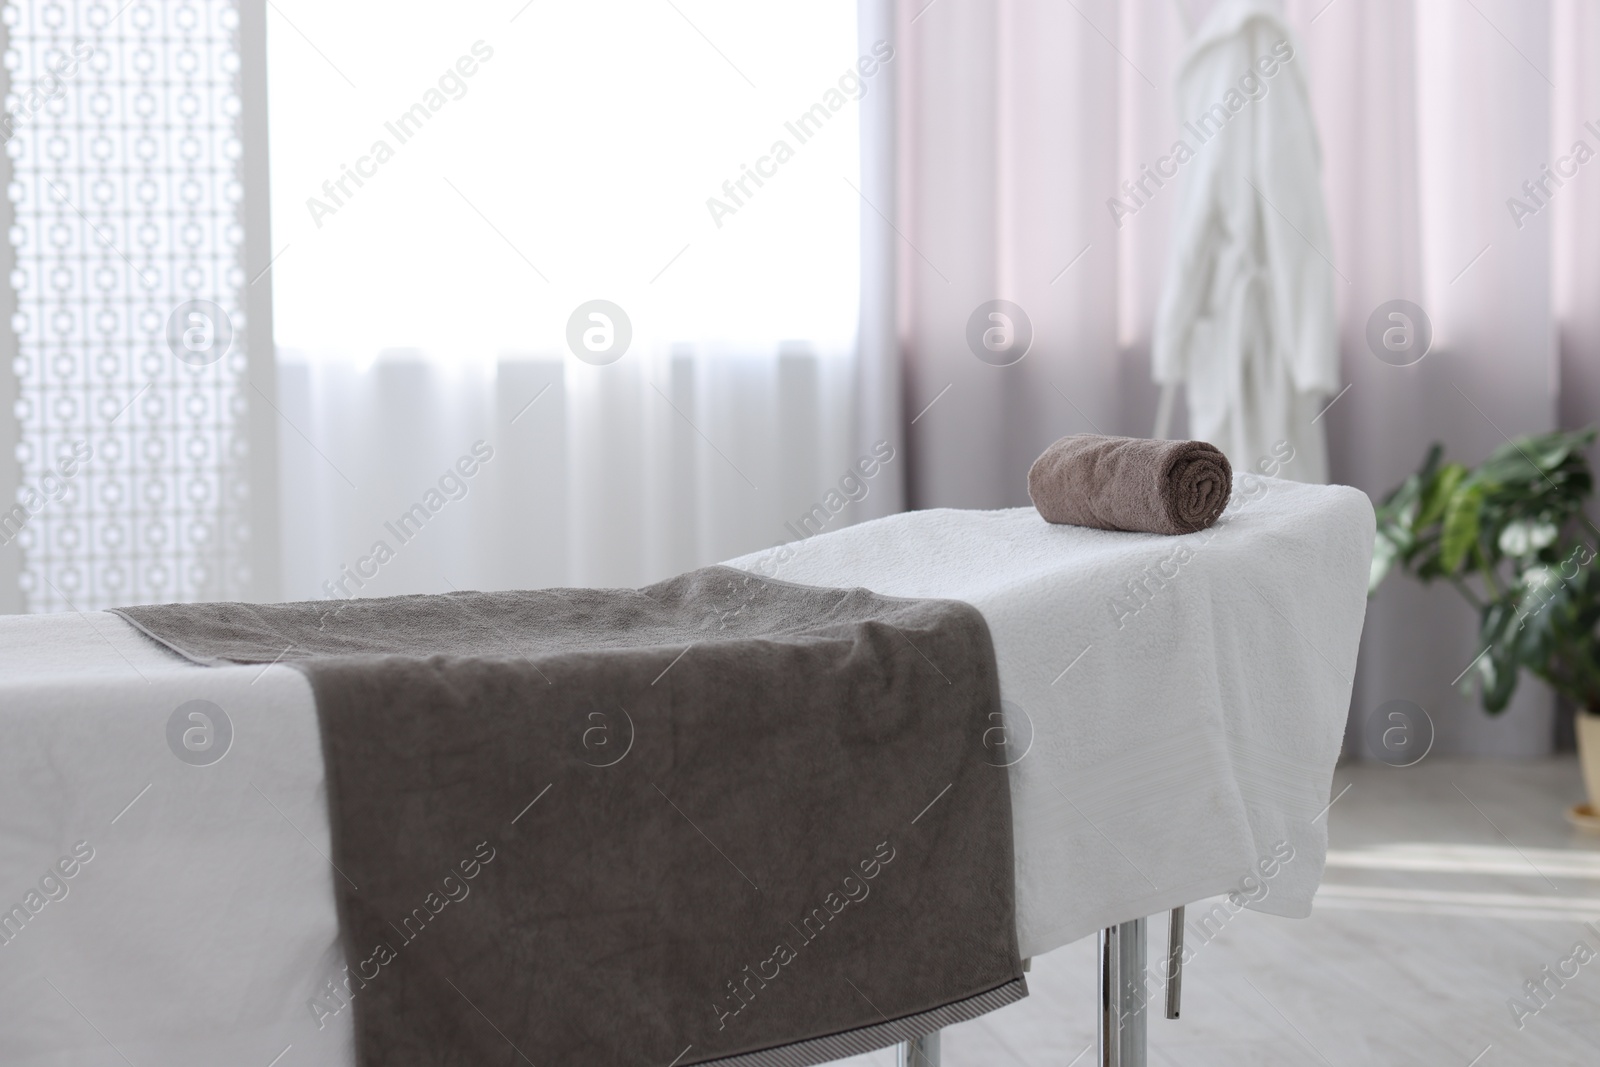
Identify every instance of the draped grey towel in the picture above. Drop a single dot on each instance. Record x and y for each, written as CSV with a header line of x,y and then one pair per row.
x,y
1131,483
720,818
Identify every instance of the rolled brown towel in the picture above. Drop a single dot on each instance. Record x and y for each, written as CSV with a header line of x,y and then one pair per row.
x,y
1131,483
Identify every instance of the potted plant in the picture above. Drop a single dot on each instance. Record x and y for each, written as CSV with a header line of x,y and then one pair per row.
x,y
1511,536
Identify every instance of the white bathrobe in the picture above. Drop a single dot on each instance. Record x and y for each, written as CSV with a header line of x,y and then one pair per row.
x,y
1246,319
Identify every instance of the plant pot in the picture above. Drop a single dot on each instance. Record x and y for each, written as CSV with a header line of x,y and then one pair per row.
x,y
1588,727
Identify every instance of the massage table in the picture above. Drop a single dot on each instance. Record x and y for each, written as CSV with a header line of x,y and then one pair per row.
x,y
1172,711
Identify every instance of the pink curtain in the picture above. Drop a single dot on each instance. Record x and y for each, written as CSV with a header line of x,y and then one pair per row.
x,y
1019,119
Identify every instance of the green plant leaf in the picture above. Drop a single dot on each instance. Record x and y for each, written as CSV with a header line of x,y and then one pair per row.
x,y
1500,679
1523,537
1461,522
1439,493
1512,536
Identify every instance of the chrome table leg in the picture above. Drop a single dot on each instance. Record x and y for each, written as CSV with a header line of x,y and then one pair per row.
x,y
1122,995
920,1052
1110,1029
1174,973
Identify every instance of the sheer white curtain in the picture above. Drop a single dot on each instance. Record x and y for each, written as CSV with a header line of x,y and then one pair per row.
x,y
454,188
1020,119
578,165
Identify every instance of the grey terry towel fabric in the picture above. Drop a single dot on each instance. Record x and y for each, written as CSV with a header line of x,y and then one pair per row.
x,y
719,819
1131,483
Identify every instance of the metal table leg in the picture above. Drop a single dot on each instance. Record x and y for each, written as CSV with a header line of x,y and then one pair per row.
x,y
920,1052
1109,1021
1122,995
1174,973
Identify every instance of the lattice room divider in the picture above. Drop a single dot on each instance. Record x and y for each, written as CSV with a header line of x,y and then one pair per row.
x,y
140,306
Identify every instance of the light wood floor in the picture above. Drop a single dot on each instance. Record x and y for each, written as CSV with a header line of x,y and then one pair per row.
x,y
1449,885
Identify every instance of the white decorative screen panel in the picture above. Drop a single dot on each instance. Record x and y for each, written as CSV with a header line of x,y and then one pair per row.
x,y
124,137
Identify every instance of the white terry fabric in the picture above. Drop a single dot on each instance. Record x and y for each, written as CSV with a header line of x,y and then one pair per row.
x,y
199,931
1169,754
1247,315
1175,745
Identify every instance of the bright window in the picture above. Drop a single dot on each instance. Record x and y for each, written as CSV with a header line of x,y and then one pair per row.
x,y
458,180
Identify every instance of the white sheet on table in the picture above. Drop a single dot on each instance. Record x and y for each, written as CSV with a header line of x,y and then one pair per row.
x,y
1175,752
1190,737
199,930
